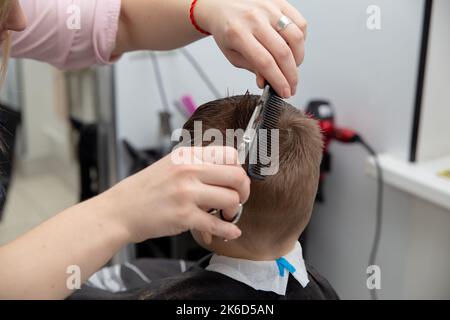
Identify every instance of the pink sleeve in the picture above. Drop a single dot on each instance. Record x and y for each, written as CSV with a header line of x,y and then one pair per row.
x,y
54,35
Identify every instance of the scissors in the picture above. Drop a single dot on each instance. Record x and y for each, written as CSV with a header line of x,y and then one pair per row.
x,y
244,147
248,139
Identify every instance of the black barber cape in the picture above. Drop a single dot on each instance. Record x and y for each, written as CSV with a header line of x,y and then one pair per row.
x,y
200,284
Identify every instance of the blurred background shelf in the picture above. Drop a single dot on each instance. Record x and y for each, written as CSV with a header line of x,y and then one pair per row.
x,y
426,180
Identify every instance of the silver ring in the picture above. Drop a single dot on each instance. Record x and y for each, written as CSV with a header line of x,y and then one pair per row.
x,y
283,23
236,218
238,214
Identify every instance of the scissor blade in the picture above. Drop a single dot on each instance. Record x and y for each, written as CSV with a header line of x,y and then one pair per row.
x,y
249,135
250,131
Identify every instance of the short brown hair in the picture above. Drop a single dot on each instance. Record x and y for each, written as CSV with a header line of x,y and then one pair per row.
x,y
281,205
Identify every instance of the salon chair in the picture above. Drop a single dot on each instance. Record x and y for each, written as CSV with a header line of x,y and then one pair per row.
x,y
9,122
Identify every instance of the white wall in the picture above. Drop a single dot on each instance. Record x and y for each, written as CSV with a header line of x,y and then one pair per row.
x,y
434,131
428,256
370,77
44,131
430,225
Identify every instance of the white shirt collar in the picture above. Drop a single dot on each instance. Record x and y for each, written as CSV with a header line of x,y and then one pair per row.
x,y
262,275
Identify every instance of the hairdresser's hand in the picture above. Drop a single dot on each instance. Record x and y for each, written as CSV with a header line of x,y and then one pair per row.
x,y
167,198
245,32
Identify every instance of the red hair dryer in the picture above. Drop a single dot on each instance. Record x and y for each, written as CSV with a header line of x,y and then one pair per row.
x,y
323,112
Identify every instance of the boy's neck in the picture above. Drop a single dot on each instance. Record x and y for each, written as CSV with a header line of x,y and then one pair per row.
x,y
235,250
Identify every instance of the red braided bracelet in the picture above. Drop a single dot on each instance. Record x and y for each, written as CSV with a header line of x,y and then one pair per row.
x,y
194,23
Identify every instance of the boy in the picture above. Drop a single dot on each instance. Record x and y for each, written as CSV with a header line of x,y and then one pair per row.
x,y
266,262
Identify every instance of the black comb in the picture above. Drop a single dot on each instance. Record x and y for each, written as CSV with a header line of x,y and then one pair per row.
x,y
267,120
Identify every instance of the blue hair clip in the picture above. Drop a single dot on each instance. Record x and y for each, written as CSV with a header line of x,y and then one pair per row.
x,y
282,264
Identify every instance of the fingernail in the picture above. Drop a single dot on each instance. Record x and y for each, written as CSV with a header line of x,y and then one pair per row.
x,y
287,93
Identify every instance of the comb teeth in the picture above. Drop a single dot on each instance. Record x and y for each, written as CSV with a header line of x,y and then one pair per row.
x,y
269,120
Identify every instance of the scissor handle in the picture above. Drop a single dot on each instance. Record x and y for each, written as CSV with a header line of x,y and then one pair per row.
x,y
236,218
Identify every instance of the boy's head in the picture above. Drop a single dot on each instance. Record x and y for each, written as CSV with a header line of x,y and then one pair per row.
x,y
279,207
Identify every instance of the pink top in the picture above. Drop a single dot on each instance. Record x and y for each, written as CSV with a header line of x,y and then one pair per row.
x,y
54,36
